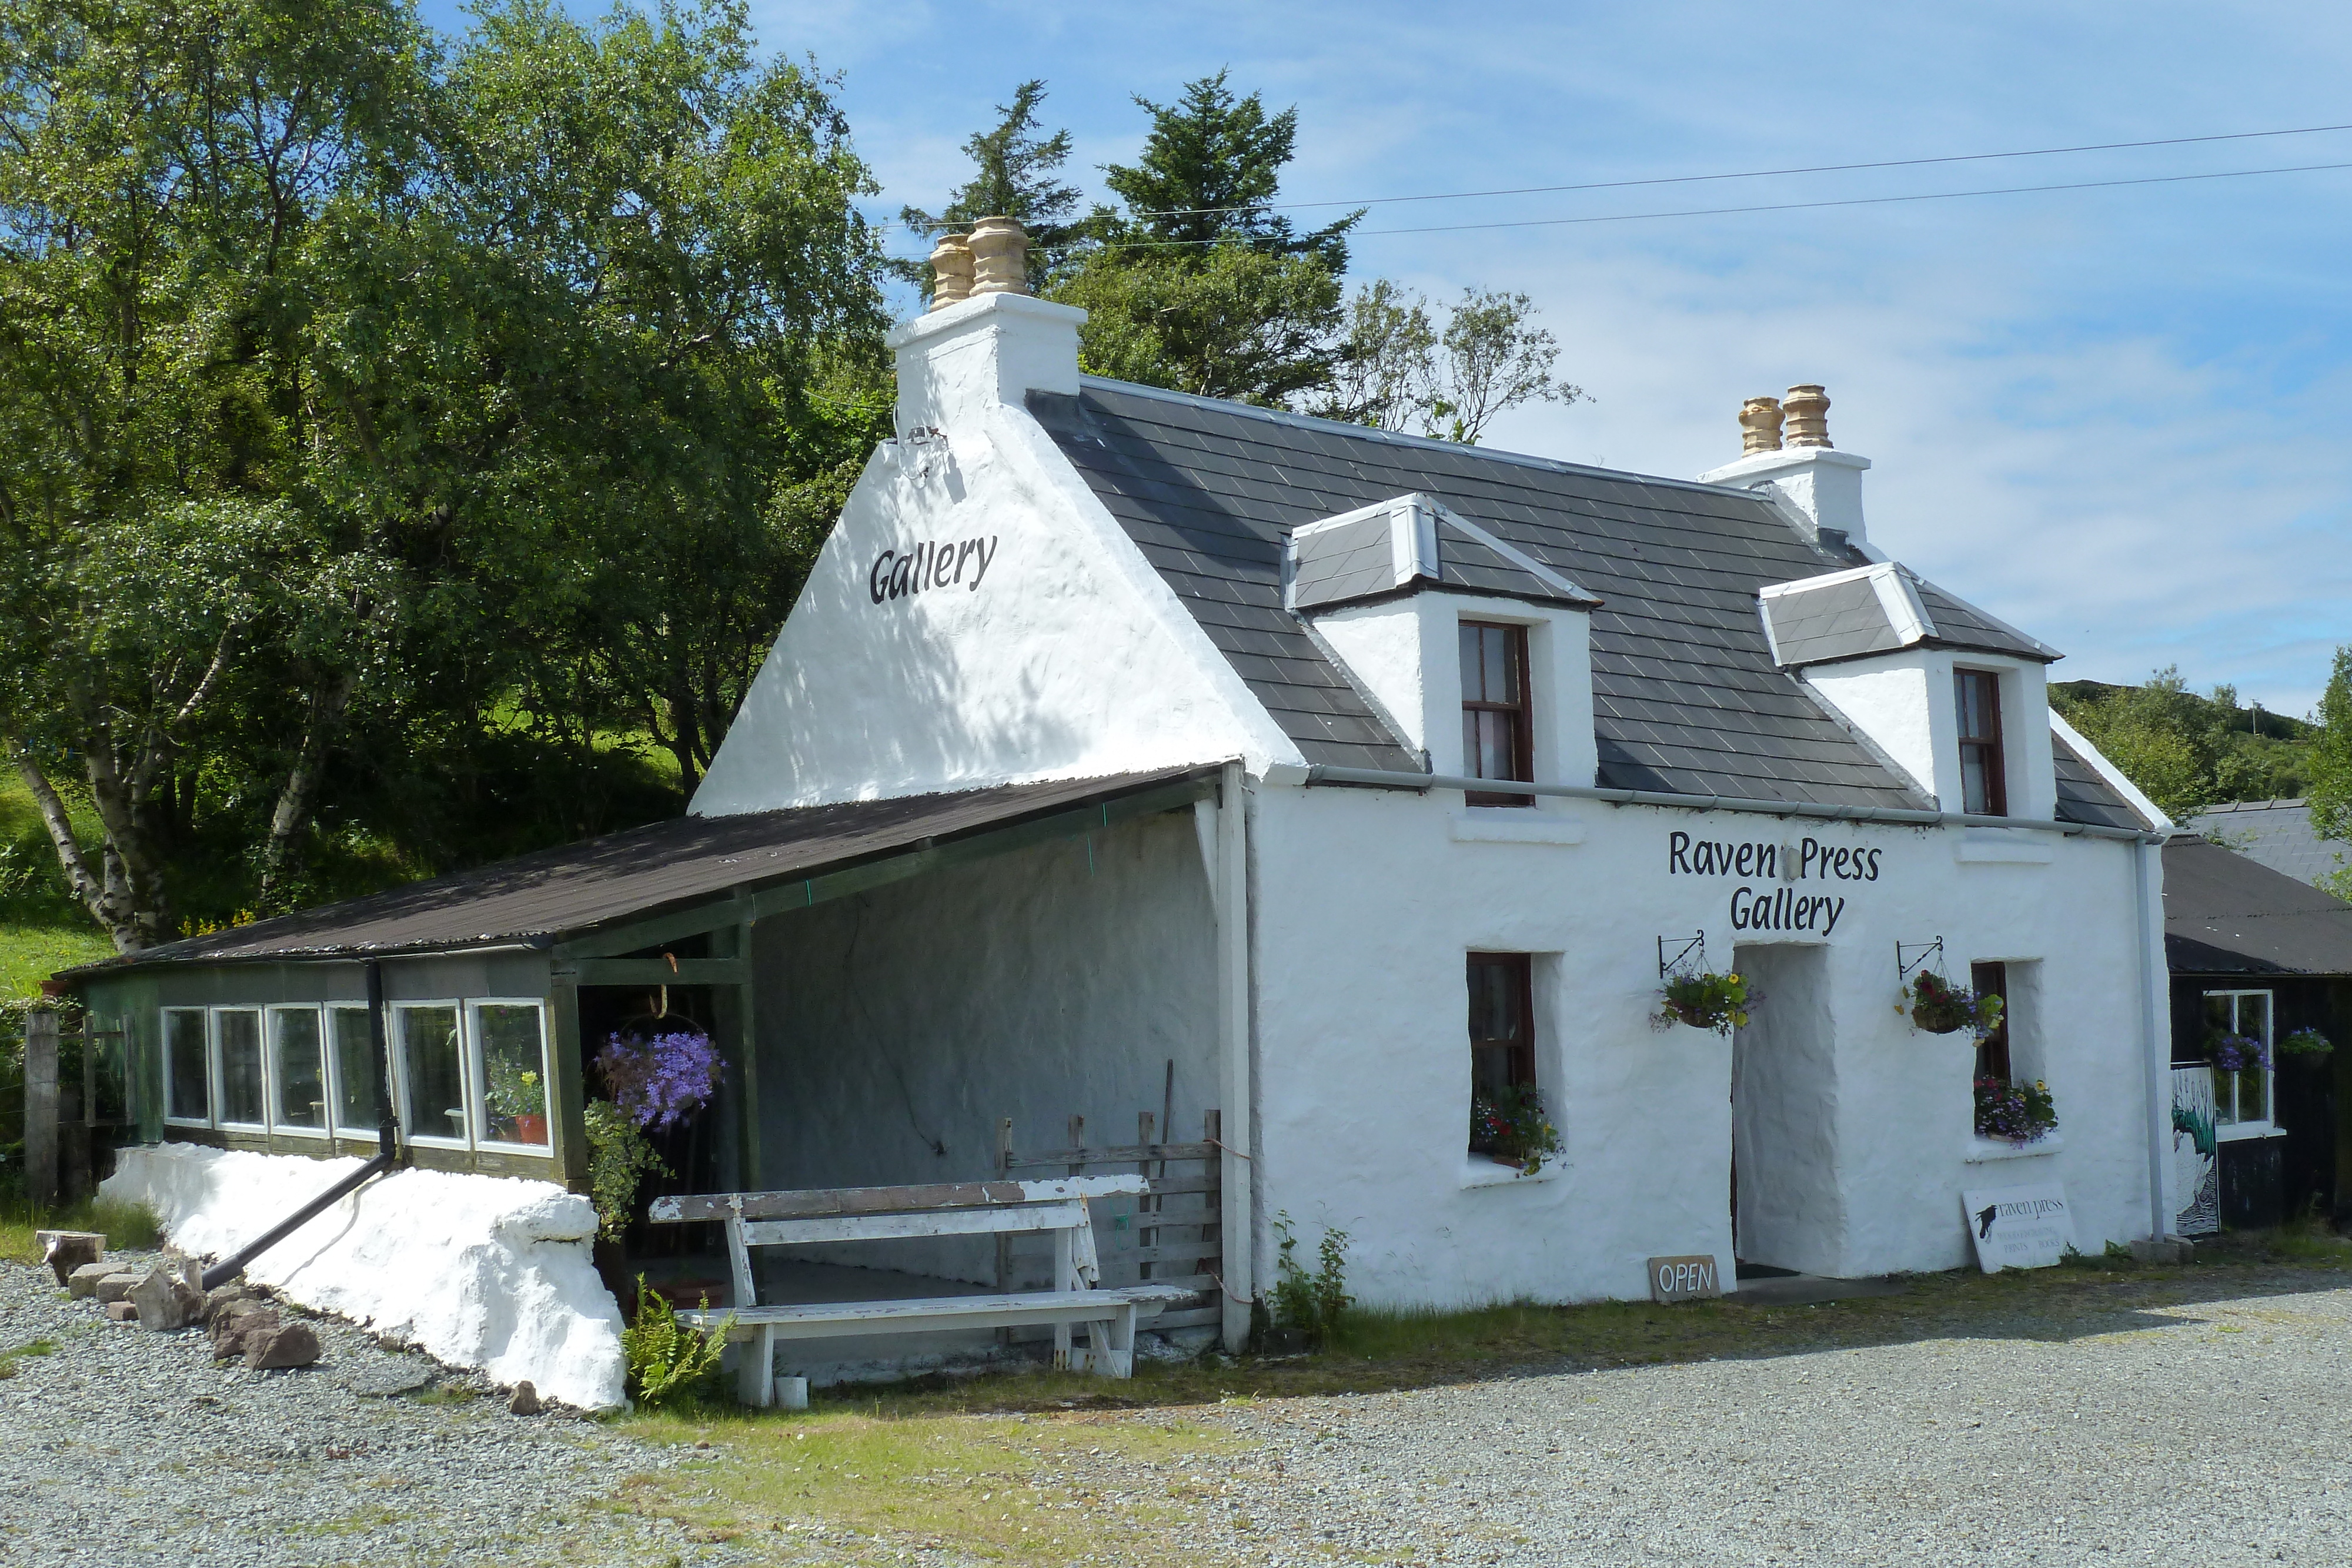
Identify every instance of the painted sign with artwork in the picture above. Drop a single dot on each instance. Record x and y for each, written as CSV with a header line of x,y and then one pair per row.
x,y
2196,1164
2019,1226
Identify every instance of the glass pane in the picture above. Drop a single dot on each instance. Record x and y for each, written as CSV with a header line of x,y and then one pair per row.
x,y
1974,797
1470,666
2254,1015
355,1107
1490,1069
302,1067
183,1067
1494,1002
1495,746
513,1063
2225,1097
240,1065
2219,1014
429,1064
1502,674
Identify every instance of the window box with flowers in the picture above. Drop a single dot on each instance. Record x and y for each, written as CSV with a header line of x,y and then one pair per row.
x,y
2014,1113
1508,1126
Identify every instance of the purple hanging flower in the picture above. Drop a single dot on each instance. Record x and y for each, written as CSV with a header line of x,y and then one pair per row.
x,y
659,1080
2236,1054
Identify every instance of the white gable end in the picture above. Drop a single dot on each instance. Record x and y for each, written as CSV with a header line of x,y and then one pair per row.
x,y
977,617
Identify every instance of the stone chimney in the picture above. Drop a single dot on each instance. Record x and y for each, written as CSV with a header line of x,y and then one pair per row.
x,y
986,341
1821,483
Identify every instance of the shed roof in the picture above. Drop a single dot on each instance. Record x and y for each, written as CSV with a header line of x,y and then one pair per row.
x,y
535,899
2226,915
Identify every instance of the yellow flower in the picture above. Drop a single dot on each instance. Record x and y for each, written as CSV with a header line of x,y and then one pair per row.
x,y
1733,978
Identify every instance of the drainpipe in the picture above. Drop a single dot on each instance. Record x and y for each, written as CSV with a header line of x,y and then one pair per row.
x,y
2156,1035
387,1154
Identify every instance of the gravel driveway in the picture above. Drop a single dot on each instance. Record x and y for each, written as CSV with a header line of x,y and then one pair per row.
x,y
2218,1433
126,1446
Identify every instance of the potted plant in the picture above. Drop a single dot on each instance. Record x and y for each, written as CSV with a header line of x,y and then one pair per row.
x,y
1510,1127
1707,1000
517,1098
2017,1113
2308,1043
1939,1007
2236,1053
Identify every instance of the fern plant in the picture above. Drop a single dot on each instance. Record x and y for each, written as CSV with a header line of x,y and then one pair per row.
x,y
666,1360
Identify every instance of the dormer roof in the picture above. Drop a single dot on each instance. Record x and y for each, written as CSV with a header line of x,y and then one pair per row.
x,y
1879,609
1404,545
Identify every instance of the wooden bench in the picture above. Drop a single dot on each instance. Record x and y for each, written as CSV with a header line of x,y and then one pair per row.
x,y
897,1213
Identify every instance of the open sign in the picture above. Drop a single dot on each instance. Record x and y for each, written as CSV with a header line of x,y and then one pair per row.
x,y
1687,1278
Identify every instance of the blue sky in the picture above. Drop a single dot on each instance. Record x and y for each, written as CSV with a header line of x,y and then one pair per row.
x,y
2116,417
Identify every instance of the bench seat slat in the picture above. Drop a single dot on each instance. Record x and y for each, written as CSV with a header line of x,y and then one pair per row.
x,y
895,1227
813,1202
826,1320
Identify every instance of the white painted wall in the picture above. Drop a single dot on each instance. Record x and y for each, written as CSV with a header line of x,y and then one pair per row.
x,y
1060,654
1365,905
1906,704
479,1271
898,1026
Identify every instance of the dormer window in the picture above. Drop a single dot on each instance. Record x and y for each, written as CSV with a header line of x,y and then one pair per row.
x,y
1498,710
1984,774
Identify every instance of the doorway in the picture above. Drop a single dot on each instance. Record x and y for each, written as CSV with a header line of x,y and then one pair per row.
x,y
1788,1213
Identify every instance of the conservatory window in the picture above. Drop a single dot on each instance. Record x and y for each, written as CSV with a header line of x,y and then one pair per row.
x,y
187,1068
297,1070
432,1073
355,1107
2241,1098
1497,714
511,1066
238,1040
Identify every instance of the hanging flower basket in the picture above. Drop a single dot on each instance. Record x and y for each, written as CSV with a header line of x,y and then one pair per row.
x,y
2308,1043
1939,1007
1707,1000
2236,1054
2018,1113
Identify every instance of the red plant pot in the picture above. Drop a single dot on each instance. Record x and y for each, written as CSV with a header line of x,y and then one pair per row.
x,y
531,1129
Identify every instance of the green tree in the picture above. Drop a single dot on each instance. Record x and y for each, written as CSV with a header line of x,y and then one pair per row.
x,y
2177,748
1015,174
1397,370
2331,767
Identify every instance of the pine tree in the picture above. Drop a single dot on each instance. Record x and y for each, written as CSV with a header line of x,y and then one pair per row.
x,y
1013,171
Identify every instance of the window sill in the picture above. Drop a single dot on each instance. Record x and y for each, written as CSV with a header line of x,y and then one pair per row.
x,y
2246,1132
1478,1170
2003,846
1514,825
1981,1150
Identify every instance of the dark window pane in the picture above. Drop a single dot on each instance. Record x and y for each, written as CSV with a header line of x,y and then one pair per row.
x,y
1992,1050
429,1068
1502,669
1473,661
185,1072
301,1067
355,1109
240,1068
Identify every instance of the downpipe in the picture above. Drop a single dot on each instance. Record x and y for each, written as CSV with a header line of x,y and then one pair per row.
x,y
389,1155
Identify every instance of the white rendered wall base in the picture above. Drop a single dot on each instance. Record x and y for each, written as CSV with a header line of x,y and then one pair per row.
x,y
478,1271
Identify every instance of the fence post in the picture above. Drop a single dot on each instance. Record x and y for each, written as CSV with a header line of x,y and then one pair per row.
x,y
41,1108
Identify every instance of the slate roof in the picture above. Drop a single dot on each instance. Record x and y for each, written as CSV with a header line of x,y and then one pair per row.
x,y
2275,833
2226,915
1352,559
2084,796
538,898
1839,620
1686,696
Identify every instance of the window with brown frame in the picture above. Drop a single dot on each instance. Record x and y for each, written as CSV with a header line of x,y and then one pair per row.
x,y
1498,712
1984,774
1502,1022
1992,1050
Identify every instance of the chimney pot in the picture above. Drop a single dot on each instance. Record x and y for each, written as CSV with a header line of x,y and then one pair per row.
x,y
999,256
1808,410
1760,425
950,272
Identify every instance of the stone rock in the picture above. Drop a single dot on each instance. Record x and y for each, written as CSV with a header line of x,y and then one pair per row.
x,y
222,1296
2164,1249
112,1288
287,1344
235,1324
121,1313
83,1281
525,1401
66,1250
165,1300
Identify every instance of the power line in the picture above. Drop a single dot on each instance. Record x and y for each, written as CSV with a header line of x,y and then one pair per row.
x,y
1757,175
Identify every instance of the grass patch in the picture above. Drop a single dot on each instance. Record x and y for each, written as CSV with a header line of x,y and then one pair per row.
x,y
1003,1488
128,1227
8,1359
31,954
445,1393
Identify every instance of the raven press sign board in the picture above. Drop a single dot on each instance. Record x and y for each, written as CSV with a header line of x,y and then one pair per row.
x,y
2019,1226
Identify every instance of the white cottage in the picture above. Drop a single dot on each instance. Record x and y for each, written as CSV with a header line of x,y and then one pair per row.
x,y
1132,752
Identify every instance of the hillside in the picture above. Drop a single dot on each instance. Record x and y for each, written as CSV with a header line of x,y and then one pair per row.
x,y
2188,752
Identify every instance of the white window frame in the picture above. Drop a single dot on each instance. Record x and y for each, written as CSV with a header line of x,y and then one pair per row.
x,y
478,1097
269,1080
398,1044
326,1129
335,1083
212,1098
2262,1126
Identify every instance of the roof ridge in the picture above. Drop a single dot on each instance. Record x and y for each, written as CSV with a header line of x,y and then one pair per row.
x,y
1398,438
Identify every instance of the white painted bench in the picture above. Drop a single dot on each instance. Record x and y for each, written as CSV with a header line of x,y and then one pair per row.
x,y
895,1213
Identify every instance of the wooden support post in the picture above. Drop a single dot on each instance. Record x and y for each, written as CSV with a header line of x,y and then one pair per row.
x,y
567,1081
41,1109
1004,1241
1238,1185
1145,1206
747,1027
